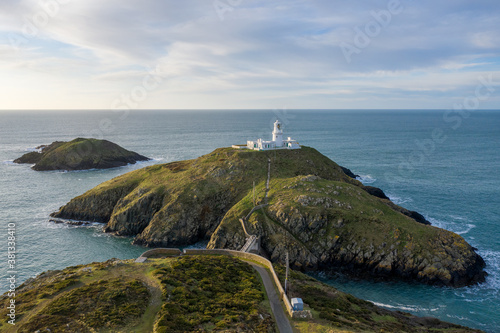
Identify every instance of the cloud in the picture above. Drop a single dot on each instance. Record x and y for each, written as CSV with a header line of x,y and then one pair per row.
x,y
275,51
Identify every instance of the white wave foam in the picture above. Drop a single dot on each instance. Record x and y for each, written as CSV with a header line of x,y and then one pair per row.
x,y
366,179
9,162
458,228
101,234
492,259
411,308
38,150
469,228
63,223
398,200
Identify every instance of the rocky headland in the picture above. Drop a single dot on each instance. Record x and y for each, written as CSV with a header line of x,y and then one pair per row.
x,y
325,218
79,154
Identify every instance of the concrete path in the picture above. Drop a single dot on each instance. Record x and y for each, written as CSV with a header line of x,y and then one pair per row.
x,y
274,300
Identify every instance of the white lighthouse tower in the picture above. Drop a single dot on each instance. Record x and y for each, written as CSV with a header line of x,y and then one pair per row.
x,y
277,141
278,134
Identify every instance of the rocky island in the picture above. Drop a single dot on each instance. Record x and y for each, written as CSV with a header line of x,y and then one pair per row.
x,y
190,294
80,154
324,218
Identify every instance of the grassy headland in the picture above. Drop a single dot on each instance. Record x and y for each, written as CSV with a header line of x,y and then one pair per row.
x,y
80,154
328,219
189,294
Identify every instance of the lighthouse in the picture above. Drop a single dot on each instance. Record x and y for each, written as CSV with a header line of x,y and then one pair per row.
x,y
278,134
277,141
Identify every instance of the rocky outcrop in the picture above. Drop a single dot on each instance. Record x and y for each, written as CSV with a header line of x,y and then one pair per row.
x,y
330,225
183,202
80,154
379,193
376,192
324,218
349,172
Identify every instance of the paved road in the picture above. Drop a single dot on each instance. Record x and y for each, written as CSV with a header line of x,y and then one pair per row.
x,y
274,299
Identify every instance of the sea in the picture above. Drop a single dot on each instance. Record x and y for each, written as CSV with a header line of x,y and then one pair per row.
x,y
441,163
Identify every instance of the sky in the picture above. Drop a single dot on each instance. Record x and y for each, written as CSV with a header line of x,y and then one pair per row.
x,y
249,54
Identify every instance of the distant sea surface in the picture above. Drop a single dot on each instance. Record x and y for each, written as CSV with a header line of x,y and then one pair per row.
x,y
442,165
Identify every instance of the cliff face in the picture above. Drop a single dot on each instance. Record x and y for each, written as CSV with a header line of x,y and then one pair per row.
x,y
326,219
183,202
80,154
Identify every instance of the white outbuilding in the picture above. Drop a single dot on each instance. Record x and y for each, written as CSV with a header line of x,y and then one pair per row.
x,y
277,141
297,304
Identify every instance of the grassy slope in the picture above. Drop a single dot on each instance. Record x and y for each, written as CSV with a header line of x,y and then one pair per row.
x,y
335,311
225,170
184,294
213,293
362,215
345,224
182,202
80,154
154,198
165,295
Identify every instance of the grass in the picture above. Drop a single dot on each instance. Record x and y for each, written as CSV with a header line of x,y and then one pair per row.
x,y
225,170
365,219
386,318
189,293
335,311
209,194
80,154
211,292
103,304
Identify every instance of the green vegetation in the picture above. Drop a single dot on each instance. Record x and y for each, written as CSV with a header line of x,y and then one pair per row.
x,y
335,311
213,293
182,294
80,154
104,296
328,223
363,217
108,304
327,218
209,293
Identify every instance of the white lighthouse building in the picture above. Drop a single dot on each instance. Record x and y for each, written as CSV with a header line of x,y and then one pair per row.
x,y
277,141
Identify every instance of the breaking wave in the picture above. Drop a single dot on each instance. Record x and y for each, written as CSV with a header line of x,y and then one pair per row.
x,y
366,179
410,308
